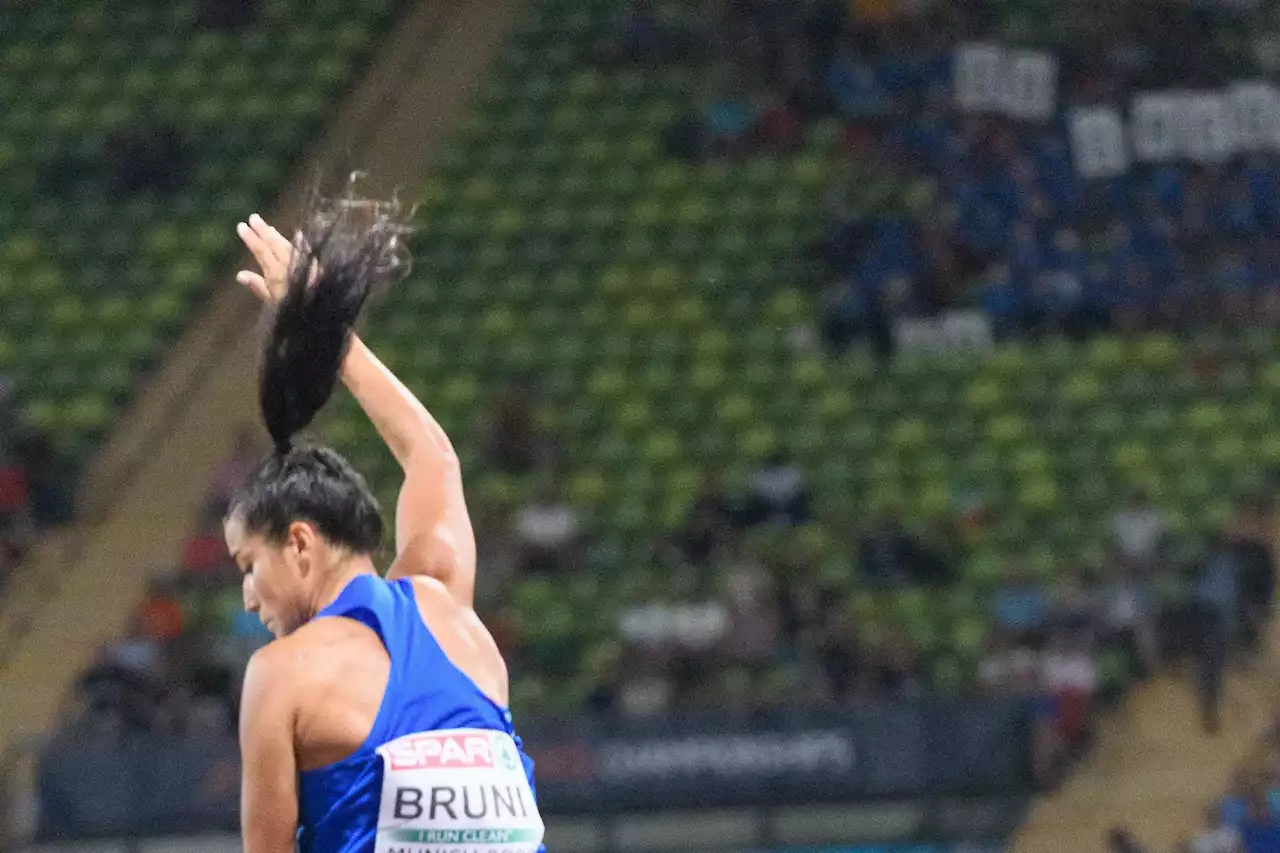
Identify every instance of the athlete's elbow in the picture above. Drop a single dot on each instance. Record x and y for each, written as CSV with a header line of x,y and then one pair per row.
x,y
434,458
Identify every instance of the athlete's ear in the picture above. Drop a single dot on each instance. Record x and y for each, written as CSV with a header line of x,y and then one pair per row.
x,y
302,539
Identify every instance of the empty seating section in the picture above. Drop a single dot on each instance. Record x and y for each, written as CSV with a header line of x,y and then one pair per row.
x,y
135,136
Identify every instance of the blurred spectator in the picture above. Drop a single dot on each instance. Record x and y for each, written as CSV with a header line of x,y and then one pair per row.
x,y
1009,667
1077,604
840,656
778,127
645,36
779,493
515,443
887,553
137,653
605,678
1140,528
898,667
1260,832
753,611
708,526
1129,614
549,531
1235,805
17,527
1250,541
642,37
213,697
728,117
1215,605
1059,300
1217,837
232,472
145,159
1120,840
1069,675
851,84
684,139
204,551
159,615
51,489
1020,606
932,564
120,690
498,550
856,311
648,688
1003,302
227,15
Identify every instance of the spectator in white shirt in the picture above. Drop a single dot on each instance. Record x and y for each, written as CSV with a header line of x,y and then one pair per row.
x,y
548,529
779,492
1140,529
1130,613
1069,675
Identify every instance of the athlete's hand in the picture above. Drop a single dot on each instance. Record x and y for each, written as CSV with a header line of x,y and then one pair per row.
x,y
274,254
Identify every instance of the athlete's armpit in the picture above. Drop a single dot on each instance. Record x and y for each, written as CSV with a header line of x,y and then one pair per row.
x,y
269,790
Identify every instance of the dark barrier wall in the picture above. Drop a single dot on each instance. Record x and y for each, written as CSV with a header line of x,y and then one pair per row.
x,y
925,749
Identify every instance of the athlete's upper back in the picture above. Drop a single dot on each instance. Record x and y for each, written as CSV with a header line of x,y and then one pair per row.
x,y
439,755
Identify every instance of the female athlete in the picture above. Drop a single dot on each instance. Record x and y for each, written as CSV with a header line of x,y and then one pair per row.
x,y
377,720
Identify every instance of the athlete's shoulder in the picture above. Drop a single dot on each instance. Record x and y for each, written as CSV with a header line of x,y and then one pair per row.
x,y
304,653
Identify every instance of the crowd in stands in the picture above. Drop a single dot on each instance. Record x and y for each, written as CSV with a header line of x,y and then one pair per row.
x,y
34,487
178,669
991,213
743,624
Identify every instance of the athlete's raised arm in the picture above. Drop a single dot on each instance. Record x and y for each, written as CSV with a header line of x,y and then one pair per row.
x,y
269,775
433,529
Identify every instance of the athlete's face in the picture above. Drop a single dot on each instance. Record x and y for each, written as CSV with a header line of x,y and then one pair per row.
x,y
277,579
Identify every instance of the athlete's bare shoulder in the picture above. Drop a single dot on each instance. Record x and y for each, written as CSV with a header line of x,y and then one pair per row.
x,y
315,653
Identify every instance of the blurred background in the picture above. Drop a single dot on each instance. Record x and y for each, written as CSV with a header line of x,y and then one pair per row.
x,y
868,408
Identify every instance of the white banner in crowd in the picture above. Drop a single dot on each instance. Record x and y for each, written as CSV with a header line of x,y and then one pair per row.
x,y
1097,142
1021,84
1153,122
1030,85
1256,109
946,335
1206,126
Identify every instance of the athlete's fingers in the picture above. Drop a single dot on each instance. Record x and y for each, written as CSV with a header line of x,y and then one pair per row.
x,y
256,245
279,245
299,243
262,231
254,282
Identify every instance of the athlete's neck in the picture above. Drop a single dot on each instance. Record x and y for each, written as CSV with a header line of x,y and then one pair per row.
x,y
339,576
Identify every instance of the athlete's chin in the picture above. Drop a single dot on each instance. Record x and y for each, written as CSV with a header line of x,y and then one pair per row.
x,y
279,627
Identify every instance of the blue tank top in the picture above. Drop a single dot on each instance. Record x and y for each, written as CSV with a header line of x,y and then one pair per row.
x,y
338,804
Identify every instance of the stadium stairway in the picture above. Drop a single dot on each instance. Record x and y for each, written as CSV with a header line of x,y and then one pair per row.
x,y
140,496
1153,769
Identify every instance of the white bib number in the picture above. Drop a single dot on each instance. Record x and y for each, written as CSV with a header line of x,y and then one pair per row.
x,y
456,791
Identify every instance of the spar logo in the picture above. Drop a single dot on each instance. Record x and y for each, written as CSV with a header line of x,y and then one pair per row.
x,y
447,750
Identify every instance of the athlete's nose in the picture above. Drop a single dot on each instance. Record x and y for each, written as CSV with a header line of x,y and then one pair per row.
x,y
250,599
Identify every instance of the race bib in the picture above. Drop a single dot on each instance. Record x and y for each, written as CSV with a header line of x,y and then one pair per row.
x,y
456,791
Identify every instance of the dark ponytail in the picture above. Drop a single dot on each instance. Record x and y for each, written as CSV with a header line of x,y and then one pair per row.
x,y
349,248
